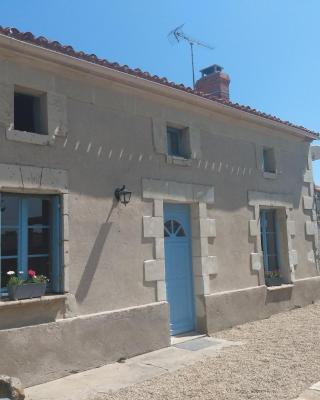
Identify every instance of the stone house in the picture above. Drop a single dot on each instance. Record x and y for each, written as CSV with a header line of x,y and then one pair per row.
x,y
219,199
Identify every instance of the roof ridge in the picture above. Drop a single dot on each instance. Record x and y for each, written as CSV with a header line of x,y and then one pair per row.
x,y
70,51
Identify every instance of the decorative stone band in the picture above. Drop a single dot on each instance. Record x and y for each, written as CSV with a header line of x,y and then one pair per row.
x,y
153,227
293,258
308,176
25,178
154,270
256,261
291,227
311,228
198,196
307,202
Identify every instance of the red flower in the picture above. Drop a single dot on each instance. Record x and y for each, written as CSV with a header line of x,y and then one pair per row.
x,y
31,273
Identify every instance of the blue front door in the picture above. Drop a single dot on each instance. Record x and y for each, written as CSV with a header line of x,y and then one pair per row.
x,y
178,267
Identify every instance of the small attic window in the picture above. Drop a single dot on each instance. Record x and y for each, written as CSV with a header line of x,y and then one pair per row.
x,y
269,160
178,142
29,113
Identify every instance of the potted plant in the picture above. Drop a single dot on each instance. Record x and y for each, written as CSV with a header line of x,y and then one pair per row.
x,y
19,288
273,278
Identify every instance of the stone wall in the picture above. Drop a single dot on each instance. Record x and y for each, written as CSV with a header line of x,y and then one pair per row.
x,y
49,351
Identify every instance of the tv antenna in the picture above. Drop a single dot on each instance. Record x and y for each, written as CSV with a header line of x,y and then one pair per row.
x,y
179,35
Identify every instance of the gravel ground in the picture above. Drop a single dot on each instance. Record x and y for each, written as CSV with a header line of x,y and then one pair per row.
x,y
279,360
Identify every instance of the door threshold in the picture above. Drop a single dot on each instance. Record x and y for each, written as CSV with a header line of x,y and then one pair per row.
x,y
185,337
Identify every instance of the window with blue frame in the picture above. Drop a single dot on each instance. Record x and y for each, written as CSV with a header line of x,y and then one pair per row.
x,y
269,240
30,237
177,140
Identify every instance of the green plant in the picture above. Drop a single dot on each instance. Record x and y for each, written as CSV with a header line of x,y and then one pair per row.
x,y
272,274
34,278
16,279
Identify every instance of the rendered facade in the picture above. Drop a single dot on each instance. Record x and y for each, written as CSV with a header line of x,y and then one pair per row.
x,y
221,204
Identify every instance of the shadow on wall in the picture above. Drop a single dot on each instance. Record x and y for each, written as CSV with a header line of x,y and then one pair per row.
x,y
94,258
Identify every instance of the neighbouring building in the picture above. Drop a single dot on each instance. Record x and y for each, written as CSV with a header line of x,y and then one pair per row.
x,y
220,201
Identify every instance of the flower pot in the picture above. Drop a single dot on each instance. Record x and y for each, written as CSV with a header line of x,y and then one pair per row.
x,y
273,281
26,291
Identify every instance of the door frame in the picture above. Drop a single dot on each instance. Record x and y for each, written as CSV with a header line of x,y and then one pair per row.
x,y
185,220
199,197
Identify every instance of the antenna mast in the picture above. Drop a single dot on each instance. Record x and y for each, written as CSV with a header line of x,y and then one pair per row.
x,y
179,35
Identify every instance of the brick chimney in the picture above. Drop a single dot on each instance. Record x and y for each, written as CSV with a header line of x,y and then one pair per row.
x,y
214,82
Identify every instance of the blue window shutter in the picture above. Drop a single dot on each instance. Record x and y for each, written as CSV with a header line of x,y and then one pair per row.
x,y
56,245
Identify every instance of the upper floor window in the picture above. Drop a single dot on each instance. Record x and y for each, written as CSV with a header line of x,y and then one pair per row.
x,y
30,237
29,112
269,160
178,142
269,245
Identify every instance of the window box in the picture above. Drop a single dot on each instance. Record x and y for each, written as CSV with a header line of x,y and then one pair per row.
x,y
26,291
273,281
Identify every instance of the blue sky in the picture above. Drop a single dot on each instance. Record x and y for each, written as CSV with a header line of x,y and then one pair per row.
x,y
270,48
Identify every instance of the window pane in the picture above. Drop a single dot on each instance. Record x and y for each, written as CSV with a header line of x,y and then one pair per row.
x,y
176,226
271,241
270,215
180,232
9,242
38,240
269,160
26,112
168,225
38,211
273,263
40,265
7,265
175,142
9,210
174,137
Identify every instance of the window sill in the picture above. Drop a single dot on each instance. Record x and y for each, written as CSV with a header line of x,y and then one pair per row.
x,y
6,303
280,287
270,175
184,162
29,137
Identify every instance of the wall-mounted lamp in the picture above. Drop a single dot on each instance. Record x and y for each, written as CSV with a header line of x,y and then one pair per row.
x,y
123,195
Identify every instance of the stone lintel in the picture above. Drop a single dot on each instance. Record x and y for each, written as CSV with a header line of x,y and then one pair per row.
x,y
270,199
177,191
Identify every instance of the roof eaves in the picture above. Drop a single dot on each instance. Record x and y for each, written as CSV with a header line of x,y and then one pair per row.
x,y
41,41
